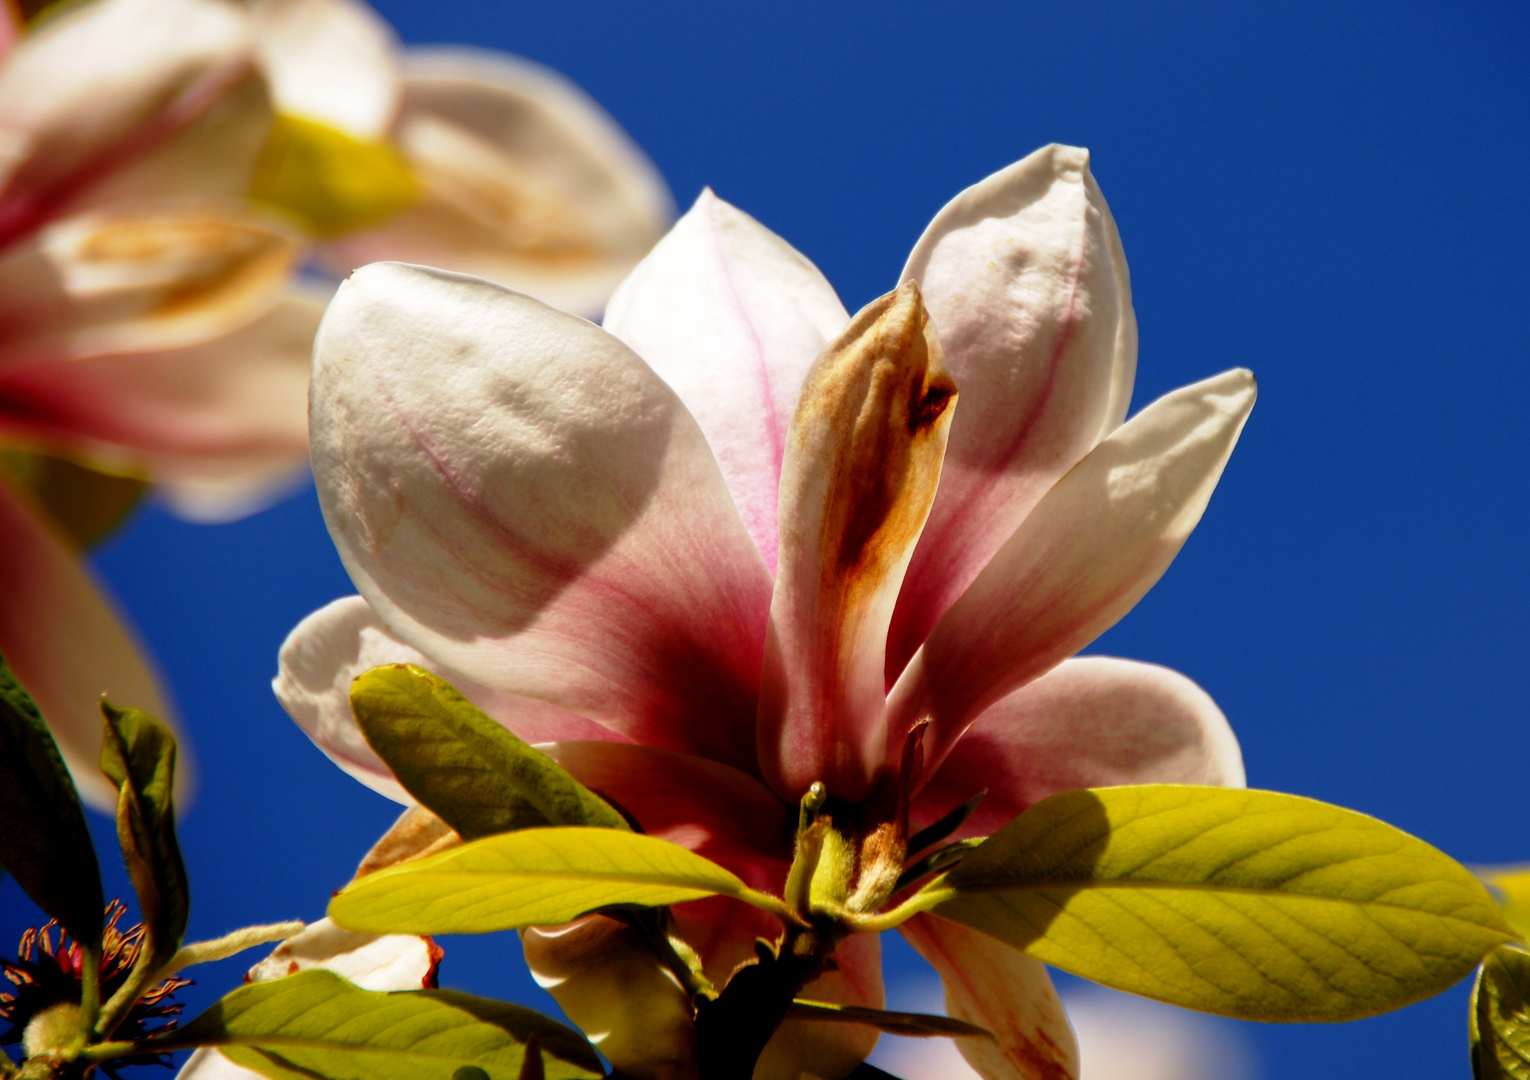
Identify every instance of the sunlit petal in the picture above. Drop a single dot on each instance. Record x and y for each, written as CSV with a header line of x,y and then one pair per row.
x,y
1025,279
102,83
732,317
1093,721
991,985
326,651
1088,552
333,61
67,646
862,462
524,180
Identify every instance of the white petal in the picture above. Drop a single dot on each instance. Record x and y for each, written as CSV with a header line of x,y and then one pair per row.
x,y
732,317
522,499
525,180
334,61
1025,279
1088,552
389,962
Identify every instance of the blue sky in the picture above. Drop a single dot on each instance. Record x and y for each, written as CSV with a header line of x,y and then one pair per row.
x,y
1332,195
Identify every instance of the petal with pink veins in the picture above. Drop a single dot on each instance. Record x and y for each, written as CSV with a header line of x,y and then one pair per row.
x,y
524,180
220,424
995,987
66,644
524,501
732,317
139,279
1093,721
327,650
1026,282
610,982
712,809
101,84
862,461
1088,552
332,61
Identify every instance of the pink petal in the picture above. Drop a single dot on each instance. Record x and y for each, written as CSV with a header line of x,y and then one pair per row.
x,y
209,418
713,809
326,651
1093,721
525,180
830,1049
1026,282
732,317
103,83
139,279
333,61
523,500
610,982
1088,552
989,984
68,646
862,462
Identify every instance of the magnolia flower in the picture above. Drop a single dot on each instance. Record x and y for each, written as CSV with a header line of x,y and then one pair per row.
x,y
165,168
737,542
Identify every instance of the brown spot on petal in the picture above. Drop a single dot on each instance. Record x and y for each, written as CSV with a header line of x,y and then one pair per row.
x,y
416,834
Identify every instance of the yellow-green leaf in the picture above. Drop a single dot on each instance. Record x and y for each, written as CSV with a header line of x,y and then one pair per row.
x,y
138,756
1250,904
537,877
462,765
316,1025
1499,1018
1512,884
86,504
330,182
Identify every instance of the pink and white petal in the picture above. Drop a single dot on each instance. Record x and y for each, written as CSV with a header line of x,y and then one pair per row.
x,y
861,467
390,962
222,421
609,981
523,500
139,279
1027,285
1092,721
710,808
62,638
830,1050
327,650
101,84
989,984
1088,552
732,317
525,180
333,61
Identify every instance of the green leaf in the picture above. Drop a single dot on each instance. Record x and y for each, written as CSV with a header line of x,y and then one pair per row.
x,y
1499,1018
87,505
1250,904
538,877
918,1025
1512,884
315,1024
44,842
138,755
330,182
462,765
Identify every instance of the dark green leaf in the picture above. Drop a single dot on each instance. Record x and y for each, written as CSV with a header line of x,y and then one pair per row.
x,y
1250,904
138,755
475,775
919,1025
44,843
315,1024
1499,1018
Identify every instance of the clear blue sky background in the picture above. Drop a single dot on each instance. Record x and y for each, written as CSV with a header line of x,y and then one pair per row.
x,y
1330,194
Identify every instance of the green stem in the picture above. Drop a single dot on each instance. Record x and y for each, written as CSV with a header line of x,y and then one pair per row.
x,y
90,986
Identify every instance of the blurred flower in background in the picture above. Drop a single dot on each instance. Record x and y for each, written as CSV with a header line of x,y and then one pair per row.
x,y
1120,1037
178,179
